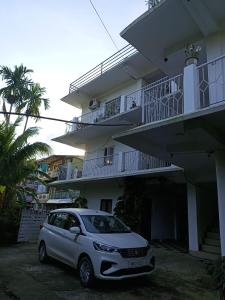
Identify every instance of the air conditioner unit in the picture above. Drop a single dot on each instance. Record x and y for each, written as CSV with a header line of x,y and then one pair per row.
x,y
93,104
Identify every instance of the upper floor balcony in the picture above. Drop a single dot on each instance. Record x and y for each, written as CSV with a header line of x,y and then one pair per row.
x,y
125,65
114,60
169,25
117,165
184,117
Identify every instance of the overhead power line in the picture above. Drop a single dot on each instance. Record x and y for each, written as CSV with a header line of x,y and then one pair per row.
x,y
64,121
110,36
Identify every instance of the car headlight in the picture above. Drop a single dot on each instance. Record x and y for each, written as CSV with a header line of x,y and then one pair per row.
x,y
148,246
105,248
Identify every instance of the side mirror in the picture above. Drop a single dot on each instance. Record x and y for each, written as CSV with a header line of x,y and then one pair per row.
x,y
75,230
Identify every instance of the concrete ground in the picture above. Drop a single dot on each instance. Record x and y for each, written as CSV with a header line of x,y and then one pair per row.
x,y
178,276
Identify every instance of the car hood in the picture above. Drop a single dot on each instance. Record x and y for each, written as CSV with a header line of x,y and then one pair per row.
x,y
120,240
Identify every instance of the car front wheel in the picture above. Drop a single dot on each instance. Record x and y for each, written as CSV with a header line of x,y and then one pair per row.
x,y
42,253
86,272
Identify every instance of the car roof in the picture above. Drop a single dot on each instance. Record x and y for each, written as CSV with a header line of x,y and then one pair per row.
x,y
82,211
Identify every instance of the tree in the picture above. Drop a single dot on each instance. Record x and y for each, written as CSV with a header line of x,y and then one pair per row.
x,y
17,84
17,159
34,101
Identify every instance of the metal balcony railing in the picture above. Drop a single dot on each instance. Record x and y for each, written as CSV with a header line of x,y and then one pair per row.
x,y
162,100
136,160
134,99
103,67
101,166
112,165
105,111
211,82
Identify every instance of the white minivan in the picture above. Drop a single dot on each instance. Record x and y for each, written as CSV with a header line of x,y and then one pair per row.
x,y
96,243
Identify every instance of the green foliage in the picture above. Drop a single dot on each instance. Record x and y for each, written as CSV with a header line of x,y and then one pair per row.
x,y
34,100
80,202
17,82
21,93
130,206
17,158
217,270
9,224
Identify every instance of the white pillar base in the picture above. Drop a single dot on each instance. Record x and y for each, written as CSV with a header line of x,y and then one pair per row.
x,y
192,218
220,178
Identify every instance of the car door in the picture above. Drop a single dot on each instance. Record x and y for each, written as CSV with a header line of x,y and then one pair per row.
x,y
73,242
56,236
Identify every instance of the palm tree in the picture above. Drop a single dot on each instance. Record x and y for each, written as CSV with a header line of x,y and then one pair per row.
x,y
17,159
34,101
17,82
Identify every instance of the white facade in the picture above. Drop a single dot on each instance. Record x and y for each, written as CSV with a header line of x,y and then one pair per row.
x,y
151,109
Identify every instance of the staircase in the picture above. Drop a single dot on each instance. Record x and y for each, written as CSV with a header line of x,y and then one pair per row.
x,y
210,249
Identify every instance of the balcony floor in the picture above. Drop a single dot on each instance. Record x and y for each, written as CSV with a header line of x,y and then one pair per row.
x,y
188,141
173,173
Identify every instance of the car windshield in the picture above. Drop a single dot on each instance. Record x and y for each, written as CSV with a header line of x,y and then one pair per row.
x,y
104,224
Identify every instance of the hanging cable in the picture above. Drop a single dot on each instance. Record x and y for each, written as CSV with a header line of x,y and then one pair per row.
x,y
64,121
114,43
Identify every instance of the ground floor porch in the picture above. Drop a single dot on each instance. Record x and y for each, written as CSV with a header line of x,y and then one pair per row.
x,y
178,276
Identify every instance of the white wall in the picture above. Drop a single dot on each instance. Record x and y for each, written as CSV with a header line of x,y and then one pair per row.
x,y
96,191
162,225
123,89
96,147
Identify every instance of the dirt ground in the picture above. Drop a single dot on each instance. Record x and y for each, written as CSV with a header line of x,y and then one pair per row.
x,y
178,276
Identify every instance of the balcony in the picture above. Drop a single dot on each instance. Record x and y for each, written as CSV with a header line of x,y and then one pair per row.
x,y
122,163
202,86
183,118
109,111
103,67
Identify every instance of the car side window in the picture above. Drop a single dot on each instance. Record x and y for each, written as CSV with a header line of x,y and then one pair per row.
x,y
60,220
71,221
51,218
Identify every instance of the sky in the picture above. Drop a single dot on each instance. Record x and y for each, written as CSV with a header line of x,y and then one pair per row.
x,y
61,40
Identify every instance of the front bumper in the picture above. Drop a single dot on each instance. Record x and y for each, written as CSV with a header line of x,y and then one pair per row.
x,y
112,266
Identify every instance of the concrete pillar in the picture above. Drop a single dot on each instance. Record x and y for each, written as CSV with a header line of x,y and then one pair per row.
x,y
69,170
220,179
123,104
215,48
192,218
191,91
121,161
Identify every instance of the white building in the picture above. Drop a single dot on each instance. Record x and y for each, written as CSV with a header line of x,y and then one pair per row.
x,y
163,112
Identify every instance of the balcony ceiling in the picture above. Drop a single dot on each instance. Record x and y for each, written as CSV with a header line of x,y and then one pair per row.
x,y
162,33
188,141
132,68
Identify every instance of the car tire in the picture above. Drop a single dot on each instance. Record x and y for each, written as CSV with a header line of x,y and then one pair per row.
x,y
86,272
42,253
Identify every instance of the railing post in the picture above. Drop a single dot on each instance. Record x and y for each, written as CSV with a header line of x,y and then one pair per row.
x,y
121,161
123,107
142,103
191,88
101,67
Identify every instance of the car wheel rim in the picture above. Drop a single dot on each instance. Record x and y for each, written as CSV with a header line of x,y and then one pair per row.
x,y
85,271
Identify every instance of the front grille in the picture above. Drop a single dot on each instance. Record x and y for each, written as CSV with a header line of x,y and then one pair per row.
x,y
132,271
133,252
